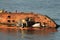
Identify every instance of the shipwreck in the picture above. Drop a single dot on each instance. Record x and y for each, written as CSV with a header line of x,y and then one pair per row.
x,y
26,20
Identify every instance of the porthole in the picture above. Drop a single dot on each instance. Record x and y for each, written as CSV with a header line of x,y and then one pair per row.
x,y
9,21
13,20
9,16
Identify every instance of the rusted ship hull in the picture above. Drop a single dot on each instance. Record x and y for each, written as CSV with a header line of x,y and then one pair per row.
x,y
5,27
16,18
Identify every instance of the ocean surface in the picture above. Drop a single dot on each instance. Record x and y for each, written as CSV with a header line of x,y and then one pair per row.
x,y
45,7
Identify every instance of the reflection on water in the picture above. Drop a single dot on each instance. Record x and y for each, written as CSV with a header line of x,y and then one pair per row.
x,y
14,34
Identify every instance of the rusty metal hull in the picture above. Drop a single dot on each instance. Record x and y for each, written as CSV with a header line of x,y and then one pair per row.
x,y
14,17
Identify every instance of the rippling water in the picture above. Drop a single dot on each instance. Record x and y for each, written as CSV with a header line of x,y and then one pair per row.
x,y
12,34
46,7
